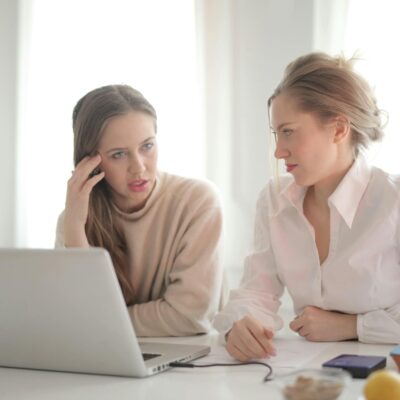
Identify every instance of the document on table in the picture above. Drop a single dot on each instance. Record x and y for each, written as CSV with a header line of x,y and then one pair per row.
x,y
291,353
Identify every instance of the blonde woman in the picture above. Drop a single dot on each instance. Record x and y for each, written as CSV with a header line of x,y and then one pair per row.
x,y
329,230
163,232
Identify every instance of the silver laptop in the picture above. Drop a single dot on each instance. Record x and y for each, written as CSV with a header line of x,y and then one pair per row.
x,y
63,310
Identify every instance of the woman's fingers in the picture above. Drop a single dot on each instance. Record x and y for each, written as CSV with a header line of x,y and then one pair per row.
x,y
263,339
84,168
247,343
268,333
80,185
81,181
92,182
237,353
296,324
249,339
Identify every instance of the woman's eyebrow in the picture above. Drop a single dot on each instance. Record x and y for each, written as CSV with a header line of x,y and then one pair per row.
x,y
149,138
126,148
116,149
283,124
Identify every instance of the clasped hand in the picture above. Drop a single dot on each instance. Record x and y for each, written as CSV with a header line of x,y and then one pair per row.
x,y
319,325
249,339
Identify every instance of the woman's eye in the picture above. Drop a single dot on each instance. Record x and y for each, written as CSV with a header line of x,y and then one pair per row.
x,y
287,132
148,146
118,154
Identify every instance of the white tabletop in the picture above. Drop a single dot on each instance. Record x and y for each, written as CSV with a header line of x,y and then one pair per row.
x,y
244,382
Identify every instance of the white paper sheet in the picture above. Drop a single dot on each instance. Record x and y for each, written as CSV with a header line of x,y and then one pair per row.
x,y
291,353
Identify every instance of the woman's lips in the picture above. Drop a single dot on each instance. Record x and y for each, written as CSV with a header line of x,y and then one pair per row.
x,y
290,167
138,185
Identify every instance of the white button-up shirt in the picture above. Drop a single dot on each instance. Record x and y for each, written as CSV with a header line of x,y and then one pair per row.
x,y
361,274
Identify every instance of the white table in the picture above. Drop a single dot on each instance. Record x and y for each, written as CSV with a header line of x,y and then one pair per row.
x,y
244,382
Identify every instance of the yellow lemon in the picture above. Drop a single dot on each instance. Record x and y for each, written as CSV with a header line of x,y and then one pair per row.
x,y
383,385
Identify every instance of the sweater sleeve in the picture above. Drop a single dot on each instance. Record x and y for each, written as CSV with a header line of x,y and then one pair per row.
x,y
260,287
59,242
194,284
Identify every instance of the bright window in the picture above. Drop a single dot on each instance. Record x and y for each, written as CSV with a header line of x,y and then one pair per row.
x,y
71,47
373,29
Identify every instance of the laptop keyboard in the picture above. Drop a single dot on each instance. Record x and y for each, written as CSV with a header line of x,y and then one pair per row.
x,y
149,356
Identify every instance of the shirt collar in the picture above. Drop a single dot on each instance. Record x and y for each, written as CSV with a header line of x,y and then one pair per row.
x,y
350,190
345,198
291,195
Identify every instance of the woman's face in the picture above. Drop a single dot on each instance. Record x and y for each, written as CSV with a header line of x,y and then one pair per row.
x,y
308,147
128,151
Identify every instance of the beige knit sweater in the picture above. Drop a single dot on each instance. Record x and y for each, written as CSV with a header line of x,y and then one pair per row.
x,y
174,253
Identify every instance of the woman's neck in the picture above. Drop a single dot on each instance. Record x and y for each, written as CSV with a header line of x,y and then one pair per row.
x,y
321,191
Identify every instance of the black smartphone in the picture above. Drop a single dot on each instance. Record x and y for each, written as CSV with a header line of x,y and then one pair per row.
x,y
358,366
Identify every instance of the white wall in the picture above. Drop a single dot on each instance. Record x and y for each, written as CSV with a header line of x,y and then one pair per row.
x,y
246,45
8,90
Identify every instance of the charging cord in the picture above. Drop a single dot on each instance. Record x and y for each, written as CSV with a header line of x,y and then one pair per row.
x,y
267,377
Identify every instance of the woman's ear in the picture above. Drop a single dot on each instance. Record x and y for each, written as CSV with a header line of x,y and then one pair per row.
x,y
342,129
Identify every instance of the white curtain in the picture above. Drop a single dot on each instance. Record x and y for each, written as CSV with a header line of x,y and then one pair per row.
x,y
330,24
245,46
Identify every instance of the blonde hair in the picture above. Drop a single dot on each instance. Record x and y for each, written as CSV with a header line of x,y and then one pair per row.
x,y
89,118
329,87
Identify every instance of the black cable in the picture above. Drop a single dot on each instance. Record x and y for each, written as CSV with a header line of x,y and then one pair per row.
x,y
267,377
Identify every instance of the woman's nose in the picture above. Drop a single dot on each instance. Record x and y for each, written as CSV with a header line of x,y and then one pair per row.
x,y
136,165
280,151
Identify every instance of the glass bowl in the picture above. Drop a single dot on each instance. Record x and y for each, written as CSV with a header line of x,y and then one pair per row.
x,y
395,353
313,384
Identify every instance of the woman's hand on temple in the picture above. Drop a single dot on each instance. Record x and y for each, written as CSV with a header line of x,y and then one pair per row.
x,y
319,325
249,339
80,186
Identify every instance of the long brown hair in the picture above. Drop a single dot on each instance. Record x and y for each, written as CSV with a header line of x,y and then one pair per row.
x,y
89,118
